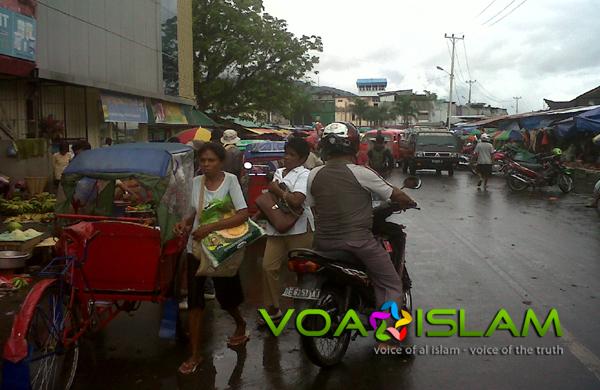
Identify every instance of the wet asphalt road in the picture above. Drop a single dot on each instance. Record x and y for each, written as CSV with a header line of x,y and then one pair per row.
x,y
474,250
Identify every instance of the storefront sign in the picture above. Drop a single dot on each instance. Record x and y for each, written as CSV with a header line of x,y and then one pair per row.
x,y
17,35
118,108
171,113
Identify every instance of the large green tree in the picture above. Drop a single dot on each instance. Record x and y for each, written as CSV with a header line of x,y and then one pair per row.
x,y
360,108
246,61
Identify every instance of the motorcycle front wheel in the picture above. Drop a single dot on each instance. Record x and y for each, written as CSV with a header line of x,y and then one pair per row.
x,y
327,350
516,184
565,183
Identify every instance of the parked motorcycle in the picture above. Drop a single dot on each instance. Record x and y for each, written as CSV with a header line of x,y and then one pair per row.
x,y
336,281
498,163
551,171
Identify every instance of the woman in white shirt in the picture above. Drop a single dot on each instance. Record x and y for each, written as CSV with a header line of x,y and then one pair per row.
x,y
218,185
295,178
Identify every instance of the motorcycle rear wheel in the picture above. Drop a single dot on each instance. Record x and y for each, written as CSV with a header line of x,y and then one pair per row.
x,y
326,351
516,184
565,183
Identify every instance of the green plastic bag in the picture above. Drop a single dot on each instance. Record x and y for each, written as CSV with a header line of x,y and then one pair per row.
x,y
220,245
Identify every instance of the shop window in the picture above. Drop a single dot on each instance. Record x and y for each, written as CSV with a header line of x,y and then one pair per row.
x,y
170,47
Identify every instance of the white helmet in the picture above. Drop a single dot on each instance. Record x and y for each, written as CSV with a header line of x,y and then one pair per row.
x,y
485,137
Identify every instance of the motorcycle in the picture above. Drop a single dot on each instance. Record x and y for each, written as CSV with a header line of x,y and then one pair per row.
x,y
336,281
498,163
551,171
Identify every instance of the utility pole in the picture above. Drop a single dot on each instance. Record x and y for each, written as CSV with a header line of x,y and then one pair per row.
x,y
453,39
517,103
470,82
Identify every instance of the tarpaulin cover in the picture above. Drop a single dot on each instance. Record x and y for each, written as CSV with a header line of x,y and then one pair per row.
x,y
146,158
162,169
588,121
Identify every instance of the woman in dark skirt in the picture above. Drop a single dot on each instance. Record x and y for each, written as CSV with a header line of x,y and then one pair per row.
x,y
218,184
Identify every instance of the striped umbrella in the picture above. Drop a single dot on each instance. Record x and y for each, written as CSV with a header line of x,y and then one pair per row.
x,y
195,134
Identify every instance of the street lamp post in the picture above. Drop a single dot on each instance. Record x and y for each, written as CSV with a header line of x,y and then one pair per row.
x,y
450,96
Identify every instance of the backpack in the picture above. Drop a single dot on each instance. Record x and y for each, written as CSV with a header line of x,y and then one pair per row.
x,y
378,159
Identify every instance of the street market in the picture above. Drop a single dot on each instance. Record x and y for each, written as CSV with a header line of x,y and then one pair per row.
x,y
246,195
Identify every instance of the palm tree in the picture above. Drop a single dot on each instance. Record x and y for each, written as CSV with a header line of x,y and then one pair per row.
x,y
359,108
405,107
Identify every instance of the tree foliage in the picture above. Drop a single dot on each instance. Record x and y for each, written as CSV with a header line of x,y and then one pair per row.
x,y
406,108
360,108
246,61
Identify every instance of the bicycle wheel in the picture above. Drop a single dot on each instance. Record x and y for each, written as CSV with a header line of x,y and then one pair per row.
x,y
52,364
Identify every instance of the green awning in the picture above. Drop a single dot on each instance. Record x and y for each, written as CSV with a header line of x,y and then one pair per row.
x,y
198,118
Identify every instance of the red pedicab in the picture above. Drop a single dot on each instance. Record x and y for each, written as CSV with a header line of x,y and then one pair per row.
x,y
109,263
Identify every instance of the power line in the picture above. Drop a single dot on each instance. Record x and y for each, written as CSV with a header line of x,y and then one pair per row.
x,y
502,10
510,12
485,9
466,58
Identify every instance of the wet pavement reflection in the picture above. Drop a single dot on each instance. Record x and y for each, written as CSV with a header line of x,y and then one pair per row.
x,y
467,248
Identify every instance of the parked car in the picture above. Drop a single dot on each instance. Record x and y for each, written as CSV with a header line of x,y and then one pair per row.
x,y
432,149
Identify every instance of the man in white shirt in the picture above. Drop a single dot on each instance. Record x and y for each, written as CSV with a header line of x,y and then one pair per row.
x,y
60,161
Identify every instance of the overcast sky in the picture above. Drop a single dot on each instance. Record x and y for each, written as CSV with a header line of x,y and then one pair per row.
x,y
542,49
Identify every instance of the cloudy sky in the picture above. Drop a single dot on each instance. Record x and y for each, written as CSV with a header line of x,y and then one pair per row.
x,y
531,48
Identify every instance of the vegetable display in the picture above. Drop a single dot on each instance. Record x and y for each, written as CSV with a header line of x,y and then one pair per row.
x,y
38,204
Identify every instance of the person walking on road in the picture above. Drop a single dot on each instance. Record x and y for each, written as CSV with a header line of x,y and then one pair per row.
x,y
380,157
483,153
218,185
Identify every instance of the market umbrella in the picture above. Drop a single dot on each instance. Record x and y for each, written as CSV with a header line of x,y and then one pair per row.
x,y
195,134
510,135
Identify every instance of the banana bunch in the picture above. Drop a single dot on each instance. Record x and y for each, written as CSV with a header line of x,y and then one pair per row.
x,y
38,204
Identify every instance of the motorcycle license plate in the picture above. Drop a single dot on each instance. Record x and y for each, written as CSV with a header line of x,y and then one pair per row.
x,y
311,294
436,161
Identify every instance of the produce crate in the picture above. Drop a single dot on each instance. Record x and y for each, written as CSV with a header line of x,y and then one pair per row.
x,y
22,246
36,184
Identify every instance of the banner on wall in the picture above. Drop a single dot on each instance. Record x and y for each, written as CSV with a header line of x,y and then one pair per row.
x,y
17,31
170,113
120,108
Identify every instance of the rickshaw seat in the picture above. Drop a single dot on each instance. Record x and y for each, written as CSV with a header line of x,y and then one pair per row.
x,y
121,256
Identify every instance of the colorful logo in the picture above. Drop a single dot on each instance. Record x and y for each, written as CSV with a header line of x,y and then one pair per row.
x,y
398,331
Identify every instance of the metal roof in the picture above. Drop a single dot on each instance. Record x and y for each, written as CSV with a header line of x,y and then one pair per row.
x,y
371,81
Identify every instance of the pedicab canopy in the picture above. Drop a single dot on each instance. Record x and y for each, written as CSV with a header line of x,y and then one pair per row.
x,y
163,170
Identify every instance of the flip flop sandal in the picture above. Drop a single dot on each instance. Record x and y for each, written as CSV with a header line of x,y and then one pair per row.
x,y
274,317
236,341
188,368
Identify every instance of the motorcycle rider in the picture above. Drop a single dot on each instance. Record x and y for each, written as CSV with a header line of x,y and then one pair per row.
x,y
340,194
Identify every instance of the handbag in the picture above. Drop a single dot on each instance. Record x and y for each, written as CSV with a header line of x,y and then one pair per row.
x,y
232,257
279,214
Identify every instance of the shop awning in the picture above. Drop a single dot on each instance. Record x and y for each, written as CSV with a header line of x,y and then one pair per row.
x,y
123,108
198,118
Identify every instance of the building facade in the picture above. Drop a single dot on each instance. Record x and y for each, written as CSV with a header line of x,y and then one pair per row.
x,y
101,68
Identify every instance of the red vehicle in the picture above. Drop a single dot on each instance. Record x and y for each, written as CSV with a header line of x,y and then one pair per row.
x,y
106,265
395,141
261,160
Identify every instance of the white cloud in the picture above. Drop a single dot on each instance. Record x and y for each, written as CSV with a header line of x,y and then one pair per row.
x,y
544,49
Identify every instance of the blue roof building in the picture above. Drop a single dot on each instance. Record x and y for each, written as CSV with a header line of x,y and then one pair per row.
x,y
370,87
